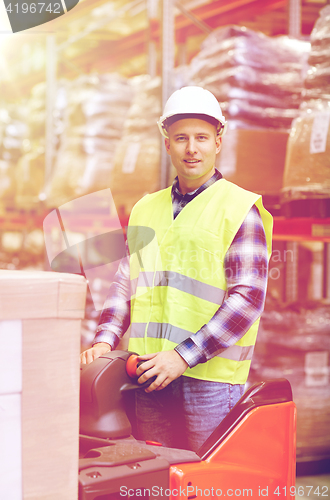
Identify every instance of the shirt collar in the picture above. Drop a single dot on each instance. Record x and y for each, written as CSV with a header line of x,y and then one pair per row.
x,y
175,186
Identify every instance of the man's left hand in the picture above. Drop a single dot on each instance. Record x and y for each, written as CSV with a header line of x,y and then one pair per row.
x,y
165,365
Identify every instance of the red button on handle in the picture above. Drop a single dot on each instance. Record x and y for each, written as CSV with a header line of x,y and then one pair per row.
x,y
132,365
154,443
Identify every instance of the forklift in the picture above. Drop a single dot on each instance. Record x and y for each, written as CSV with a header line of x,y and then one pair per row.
x,y
250,454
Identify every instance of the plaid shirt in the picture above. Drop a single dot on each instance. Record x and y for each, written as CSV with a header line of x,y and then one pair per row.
x,y
246,269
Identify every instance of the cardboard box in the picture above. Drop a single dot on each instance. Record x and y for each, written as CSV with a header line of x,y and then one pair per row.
x,y
254,159
136,171
40,319
307,165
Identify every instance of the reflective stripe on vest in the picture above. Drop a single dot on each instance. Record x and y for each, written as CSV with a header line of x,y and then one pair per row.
x,y
177,335
180,282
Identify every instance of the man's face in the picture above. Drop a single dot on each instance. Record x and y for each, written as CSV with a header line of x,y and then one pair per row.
x,y
193,145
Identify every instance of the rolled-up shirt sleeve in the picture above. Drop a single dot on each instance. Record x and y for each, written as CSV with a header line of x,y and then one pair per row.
x,y
246,269
115,317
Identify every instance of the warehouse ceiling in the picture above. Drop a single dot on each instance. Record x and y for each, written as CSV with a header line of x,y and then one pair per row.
x,y
105,36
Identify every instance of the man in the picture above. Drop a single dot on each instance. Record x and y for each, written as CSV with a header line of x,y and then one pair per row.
x,y
198,288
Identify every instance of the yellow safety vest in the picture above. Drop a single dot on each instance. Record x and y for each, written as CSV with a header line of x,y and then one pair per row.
x,y
177,273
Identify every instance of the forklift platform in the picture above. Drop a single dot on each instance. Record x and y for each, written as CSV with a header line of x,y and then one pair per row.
x,y
250,453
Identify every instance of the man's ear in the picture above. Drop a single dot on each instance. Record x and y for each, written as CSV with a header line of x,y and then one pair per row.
x,y
218,141
167,145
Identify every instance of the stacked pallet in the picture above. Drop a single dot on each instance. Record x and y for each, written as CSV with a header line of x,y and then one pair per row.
x,y
93,122
293,342
137,162
307,167
257,79
13,133
258,82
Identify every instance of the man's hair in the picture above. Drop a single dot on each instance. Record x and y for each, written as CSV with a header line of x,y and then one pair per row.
x,y
213,121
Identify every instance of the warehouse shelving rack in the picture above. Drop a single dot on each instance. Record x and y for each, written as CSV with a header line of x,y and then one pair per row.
x,y
179,23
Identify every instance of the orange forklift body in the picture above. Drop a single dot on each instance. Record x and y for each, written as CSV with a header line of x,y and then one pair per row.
x,y
250,454
257,459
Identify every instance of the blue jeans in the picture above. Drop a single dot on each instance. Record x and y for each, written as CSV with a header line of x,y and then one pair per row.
x,y
185,413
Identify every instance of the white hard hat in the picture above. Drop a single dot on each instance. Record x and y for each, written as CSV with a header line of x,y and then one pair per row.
x,y
191,101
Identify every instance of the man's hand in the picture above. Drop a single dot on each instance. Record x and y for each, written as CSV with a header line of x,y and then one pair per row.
x,y
165,365
94,352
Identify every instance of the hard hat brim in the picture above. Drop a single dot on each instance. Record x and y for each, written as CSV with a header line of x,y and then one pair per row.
x,y
165,121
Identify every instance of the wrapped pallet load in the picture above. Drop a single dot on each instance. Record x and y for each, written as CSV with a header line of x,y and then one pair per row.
x,y
294,343
307,167
306,184
258,82
317,81
30,170
93,122
256,78
30,178
137,163
13,132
